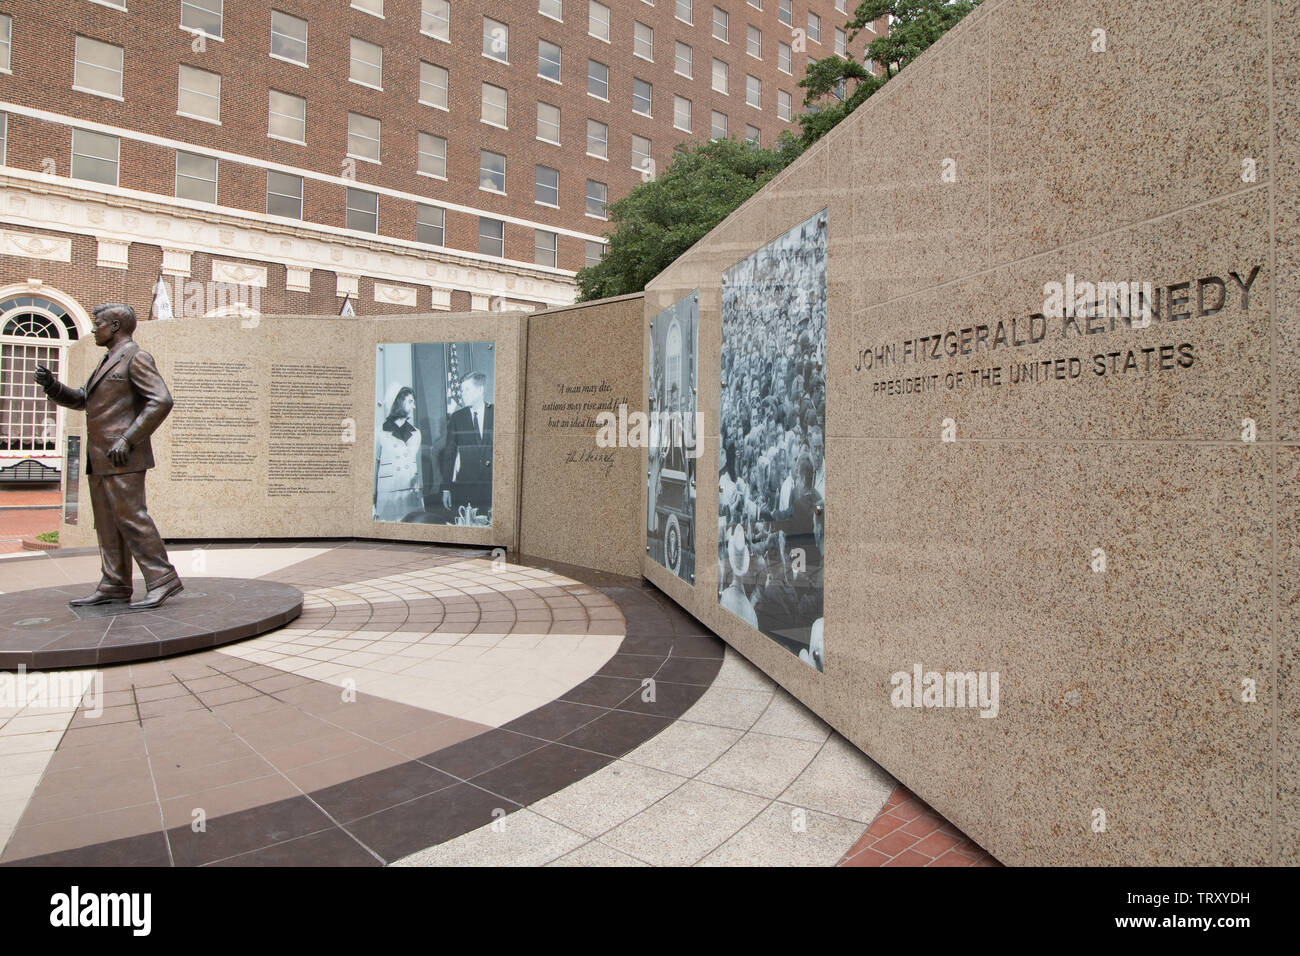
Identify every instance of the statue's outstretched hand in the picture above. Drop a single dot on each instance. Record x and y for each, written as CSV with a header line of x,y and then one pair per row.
x,y
44,377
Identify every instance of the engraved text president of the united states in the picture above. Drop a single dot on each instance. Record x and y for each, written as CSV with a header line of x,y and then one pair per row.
x,y
125,400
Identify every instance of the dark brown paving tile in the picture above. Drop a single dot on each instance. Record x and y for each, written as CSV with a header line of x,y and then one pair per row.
x,y
617,733
669,700
429,820
246,830
541,773
380,790
148,849
332,847
480,754
554,720
602,691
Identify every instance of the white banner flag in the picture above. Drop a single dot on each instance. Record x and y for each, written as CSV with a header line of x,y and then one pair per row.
x,y
162,305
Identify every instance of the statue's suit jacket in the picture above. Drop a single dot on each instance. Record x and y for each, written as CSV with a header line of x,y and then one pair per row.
x,y
125,397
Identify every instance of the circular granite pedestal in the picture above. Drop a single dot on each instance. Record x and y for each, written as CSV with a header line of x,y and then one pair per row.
x,y
39,631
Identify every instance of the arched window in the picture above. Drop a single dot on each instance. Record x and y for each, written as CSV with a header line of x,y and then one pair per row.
x,y
33,330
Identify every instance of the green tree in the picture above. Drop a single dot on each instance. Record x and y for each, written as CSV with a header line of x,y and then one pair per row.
x,y
660,219
837,85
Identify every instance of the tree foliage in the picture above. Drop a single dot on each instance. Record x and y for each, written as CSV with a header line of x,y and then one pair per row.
x,y
659,220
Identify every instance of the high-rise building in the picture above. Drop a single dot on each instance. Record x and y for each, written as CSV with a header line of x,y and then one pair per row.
x,y
399,155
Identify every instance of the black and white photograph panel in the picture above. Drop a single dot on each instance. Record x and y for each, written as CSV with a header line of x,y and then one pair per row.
x,y
433,432
772,458
670,528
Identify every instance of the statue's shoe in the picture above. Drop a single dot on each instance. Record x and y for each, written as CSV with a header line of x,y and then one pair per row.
x,y
156,596
99,597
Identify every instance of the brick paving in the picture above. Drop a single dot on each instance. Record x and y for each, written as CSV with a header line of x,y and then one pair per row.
x,y
908,832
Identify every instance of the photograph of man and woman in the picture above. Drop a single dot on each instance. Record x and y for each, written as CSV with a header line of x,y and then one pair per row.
x,y
772,467
433,432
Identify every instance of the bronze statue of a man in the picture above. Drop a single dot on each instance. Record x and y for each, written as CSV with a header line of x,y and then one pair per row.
x,y
125,400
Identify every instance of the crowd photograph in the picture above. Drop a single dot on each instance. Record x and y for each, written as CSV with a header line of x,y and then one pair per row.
x,y
433,432
771,467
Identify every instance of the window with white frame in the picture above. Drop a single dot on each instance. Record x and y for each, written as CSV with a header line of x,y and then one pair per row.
x,y
643,41
814,28
597,80
595,199
433,85
491,237
433,155
641,153
783,105
754,92
375,7
435,20
283,194
598,20
362,210
196,177
684,11
548,186
97,67
719,75
544,248
203,16
4,138
682,60
721,24
198,94
95,156
491,171
840,6
754,41
751,134
548,123
682,113
287,117
783,57
597,139
785,11
34,330
841,42
288,37
496,40
363,137
548,60
367,63
430,224
642,97
6,41
551,8
593,252
493,110
718,125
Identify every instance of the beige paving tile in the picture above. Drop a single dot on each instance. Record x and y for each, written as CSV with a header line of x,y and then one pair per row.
x,y
736,672
784,835
684,748
596,853
608,797
843,781
686,825
729,707
522,838
786,717
761,764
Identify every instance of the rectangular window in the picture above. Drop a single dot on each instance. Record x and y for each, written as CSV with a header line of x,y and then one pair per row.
x,y
363,137
491,237
814,28
202,15
496,40
721,24
718,127
491,171
598,79
783,105
430,225
758,4
785,11
641,153
682,62
287,117
754,42
435,21
493,109
548,61
754,92
642,93
97,67
548,186
199,94
375,7
6,41
841,43
95,157
783,56
544,248
367,63
643,41
594,252
595,199
551,8
196,177
682,113
751,134
598,20
433,85
840,6
283,195
684,11
4,138
433,155
548,123
288,37
363,210
597,139
719,76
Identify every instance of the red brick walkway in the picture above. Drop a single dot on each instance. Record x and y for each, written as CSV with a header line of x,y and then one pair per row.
x,y
909,833
20,523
